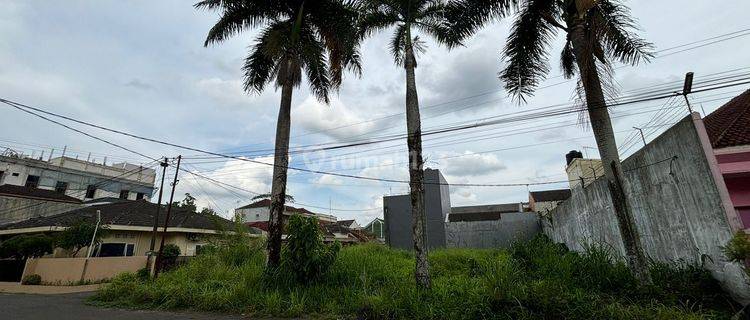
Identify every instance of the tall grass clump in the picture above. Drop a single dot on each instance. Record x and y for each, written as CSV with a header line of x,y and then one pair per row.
x,y
536,279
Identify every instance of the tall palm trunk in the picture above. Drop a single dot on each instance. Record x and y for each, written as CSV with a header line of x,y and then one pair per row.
x,y
605,141
416,174
278,185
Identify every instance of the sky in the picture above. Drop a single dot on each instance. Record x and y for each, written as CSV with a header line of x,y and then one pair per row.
x,y
141,67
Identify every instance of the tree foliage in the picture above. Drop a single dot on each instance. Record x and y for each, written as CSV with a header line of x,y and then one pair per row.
x,y
188,203
314,37
26,246
79,235
305,256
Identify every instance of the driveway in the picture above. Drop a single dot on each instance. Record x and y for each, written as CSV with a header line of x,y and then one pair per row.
x,y
71,306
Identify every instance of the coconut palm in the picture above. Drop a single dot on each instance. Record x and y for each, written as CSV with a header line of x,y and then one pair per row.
x,y
317,37
428,17
597,33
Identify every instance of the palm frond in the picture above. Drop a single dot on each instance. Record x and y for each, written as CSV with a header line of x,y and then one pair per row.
x,y
237,16
313,61
397,45
337,26
466,17
614,27
526,48
568,60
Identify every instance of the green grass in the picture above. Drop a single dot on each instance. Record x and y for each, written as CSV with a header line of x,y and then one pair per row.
x,y
533,280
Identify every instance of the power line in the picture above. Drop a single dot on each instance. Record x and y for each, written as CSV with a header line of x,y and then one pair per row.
x,y
540,88
450,129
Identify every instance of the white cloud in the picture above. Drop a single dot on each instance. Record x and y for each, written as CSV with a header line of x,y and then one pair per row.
x,y
472,164
314,116
327,179
227,92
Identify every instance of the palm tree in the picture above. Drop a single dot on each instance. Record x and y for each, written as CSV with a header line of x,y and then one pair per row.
x,y
317,37
430,18
597,33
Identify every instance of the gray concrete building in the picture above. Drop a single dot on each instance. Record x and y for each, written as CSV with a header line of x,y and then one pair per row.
x,y
397,213
32,187
79,179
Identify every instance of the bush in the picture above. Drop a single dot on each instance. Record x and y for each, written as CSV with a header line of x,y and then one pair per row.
x,y
304,255
169,254
26,246
143,274
31,280
738,248
532,280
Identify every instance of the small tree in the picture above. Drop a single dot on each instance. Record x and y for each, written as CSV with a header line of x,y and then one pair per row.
x,y
188,203
78,236
305,255
26,246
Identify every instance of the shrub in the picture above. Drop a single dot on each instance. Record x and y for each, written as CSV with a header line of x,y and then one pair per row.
x,y
738,248
169,254
31,280
304,255
26,246
143,274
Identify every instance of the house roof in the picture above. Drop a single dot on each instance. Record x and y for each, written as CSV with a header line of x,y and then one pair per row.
x,y
345,222
728,125
35,193
265,203
373,221
138,213
550,195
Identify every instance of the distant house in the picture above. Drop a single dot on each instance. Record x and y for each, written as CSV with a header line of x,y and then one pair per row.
x,y
258,213
544,201
728,129
581,171
485,212
130,224
343,234
376,227
18,203
351,224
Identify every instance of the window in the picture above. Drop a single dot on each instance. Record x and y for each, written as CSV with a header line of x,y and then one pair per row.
x,y
15,174
90,191
61,187
116,250
32,181
139,196
1,175
124,194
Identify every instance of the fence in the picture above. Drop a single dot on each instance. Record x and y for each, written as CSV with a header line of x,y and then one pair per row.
x,y
679,207
65,271
512,227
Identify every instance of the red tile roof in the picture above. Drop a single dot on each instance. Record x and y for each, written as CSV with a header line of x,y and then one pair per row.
x,y
729,125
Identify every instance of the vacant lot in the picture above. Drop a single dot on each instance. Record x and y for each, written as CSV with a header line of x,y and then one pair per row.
x,y
532,280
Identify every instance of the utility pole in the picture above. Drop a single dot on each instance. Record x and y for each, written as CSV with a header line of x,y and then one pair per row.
x,y
642,137
166,220
687,88
164,166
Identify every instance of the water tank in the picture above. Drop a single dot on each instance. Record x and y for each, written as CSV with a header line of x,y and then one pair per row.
x,y
573,154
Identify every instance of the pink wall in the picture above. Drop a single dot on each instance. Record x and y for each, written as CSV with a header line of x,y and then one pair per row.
x,y
735,168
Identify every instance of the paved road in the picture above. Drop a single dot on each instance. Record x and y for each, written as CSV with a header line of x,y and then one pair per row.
x,y
72,306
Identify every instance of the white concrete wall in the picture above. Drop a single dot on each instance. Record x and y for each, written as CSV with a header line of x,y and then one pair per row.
x,y
254,214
